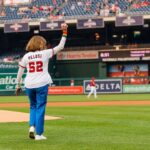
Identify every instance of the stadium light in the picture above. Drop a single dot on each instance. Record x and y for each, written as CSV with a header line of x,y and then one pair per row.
x,y
36,31
114,36
146,25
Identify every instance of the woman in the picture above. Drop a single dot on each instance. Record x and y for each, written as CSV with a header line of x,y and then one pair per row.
x,y
38,79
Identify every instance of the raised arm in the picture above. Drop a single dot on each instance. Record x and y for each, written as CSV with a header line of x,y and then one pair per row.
x,y
61,45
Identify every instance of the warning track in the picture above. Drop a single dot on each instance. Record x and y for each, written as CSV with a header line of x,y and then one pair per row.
x,y
95,103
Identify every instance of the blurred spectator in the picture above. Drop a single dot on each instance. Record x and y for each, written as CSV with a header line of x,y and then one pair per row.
x,y
72,83
8,59
54,2
80,3
88,6
3,14
136,69
97,12
72,6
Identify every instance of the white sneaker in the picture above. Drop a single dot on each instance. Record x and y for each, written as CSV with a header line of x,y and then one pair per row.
x,y
31,132
40,137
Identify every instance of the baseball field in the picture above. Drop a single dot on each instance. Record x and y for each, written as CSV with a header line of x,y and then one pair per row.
x,y
110,122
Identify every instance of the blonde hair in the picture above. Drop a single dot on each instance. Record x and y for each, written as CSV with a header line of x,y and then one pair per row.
x,y
36,43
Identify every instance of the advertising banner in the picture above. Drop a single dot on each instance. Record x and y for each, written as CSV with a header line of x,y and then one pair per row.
x,y
145,88
129,21
50,25
76,55
105,86
124,55
131,73
16,27
15,2
8,81
90,23
8,67
65,90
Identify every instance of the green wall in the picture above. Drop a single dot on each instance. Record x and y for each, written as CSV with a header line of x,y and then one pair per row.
x,y
102,70
67,69
81,69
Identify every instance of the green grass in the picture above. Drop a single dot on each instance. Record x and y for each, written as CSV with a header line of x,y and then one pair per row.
x,y
84,128
60,98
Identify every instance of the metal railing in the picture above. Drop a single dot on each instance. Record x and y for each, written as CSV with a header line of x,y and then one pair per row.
x,y
79,81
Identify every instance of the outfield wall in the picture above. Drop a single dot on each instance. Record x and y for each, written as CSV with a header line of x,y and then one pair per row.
x,y
8,85
77,69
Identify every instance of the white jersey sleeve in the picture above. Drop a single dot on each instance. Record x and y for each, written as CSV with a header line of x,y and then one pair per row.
x,y
19,75
60,46
23,62
49,53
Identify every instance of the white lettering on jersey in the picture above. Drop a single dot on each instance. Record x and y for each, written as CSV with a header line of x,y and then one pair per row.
x,y
35,56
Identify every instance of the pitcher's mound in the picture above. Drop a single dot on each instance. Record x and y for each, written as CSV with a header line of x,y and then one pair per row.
x,y
12,116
